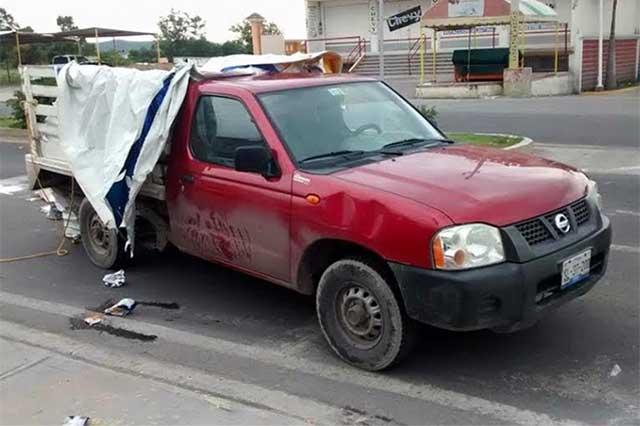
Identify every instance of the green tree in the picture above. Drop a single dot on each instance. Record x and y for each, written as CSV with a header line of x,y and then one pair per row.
x,y
243,33
7,22
65,23
178,27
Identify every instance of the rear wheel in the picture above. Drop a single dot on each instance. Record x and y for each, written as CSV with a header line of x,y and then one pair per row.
x,y
104,246
360,315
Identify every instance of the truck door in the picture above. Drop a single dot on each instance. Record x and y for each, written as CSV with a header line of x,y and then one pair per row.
x,y
217,213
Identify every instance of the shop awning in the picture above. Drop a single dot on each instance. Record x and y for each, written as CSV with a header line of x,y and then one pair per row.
x,y
446,15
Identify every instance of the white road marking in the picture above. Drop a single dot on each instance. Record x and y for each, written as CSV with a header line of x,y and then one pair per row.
x,y
293,361
625,249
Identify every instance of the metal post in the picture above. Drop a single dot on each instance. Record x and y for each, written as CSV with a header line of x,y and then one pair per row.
x,y
97,46
79,46
381,39
514,34
469,56
421,55
18,49
434,53
556,47
600,86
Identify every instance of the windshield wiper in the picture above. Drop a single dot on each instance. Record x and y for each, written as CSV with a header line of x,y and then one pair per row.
x,y
346,152
412,142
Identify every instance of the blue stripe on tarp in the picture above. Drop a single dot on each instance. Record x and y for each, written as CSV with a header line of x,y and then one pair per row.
x,y
118,195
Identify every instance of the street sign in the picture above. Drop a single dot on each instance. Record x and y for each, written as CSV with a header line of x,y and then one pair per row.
x,y
404,19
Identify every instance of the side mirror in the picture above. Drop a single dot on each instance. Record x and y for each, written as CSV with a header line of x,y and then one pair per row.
x,y
256,159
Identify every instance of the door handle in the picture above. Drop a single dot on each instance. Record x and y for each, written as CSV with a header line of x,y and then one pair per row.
x,y
185,179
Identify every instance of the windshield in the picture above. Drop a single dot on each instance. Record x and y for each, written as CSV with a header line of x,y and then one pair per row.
x,y
342,122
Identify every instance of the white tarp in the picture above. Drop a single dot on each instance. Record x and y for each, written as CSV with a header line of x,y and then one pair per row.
x,y
328,62
113,125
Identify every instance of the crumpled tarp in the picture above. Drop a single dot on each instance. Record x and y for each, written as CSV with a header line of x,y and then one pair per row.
x,y
113,125
328,62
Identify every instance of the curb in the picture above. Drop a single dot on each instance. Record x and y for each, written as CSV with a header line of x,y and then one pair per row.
x,y
525,141
15,135
611,92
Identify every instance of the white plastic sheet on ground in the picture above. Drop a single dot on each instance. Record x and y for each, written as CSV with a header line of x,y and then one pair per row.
x,y
113,125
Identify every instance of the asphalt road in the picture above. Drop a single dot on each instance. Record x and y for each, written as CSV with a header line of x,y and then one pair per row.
x,y
233,327
608,120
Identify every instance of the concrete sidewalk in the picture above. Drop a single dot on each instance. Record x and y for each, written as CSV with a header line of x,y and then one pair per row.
x,y
42,387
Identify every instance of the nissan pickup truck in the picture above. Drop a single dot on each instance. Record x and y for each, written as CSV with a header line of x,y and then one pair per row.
x,y
338,188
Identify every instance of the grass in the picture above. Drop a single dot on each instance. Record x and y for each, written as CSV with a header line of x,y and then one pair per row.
x,y
9,122
13,79
495,141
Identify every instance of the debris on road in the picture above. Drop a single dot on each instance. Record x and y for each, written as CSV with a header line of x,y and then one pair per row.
x,y
76,421
114,280
615,371
51,211
122,308
93,319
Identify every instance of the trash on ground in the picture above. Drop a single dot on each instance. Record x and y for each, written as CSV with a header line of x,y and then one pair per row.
x,y
72,228
615,371
122,308
93,319
76,421
116,279
51,211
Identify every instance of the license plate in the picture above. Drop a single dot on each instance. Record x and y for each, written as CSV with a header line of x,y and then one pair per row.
x,y
575,269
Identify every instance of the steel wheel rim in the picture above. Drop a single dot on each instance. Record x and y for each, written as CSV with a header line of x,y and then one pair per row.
x,y
360,316
99,235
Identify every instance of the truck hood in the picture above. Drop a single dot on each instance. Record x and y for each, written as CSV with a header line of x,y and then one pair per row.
x,y
475,184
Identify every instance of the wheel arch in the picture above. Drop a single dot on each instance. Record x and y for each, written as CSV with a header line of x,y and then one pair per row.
x,y
323,252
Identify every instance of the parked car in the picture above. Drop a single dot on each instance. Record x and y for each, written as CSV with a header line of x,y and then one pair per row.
x,y
64,59
337,187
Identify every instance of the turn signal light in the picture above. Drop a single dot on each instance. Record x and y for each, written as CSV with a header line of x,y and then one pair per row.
x,y
438,253
312,199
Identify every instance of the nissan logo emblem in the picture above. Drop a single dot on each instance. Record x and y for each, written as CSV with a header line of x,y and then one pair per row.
x,y
562,223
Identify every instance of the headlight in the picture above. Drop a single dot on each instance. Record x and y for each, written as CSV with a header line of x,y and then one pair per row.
x,y
593,194
467,246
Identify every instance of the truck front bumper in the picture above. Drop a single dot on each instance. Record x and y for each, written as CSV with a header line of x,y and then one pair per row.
x,y
505,297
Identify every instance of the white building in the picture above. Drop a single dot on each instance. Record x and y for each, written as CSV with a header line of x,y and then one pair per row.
x,y
341,24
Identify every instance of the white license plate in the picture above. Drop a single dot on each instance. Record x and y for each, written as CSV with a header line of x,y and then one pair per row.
x,y
575,269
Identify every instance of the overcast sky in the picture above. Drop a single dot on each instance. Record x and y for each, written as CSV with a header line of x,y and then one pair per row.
x,y
142,15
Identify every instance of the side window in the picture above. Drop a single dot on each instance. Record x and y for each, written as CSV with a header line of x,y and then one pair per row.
x,y
221,125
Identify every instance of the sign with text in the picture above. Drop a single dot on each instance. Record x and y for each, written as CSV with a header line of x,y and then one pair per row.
x,y
404,19
459,8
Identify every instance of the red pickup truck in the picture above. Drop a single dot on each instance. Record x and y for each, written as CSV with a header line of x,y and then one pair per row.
x,y
337,187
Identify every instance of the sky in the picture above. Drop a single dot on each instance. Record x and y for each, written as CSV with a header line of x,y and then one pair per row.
x,y
142,15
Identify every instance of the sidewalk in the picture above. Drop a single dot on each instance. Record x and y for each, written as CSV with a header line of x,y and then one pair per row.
x,y
42,387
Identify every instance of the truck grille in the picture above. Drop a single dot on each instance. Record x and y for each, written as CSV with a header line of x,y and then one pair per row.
x,y
539,229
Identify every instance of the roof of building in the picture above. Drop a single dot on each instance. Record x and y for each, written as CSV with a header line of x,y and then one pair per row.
x,y
31,37
102,32
445,16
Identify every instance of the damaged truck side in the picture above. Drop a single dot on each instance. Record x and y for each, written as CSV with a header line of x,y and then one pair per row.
x,y
336,187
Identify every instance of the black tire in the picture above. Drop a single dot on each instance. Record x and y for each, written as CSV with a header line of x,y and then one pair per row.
x,y
361,317
104,247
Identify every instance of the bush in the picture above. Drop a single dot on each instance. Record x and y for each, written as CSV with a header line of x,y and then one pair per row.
x,y
429,113
15,104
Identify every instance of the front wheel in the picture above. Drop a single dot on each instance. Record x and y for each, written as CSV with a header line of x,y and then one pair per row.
x,y
104,246
361,317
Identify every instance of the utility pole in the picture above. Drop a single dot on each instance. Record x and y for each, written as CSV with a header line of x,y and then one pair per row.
x,y
600,86
381,39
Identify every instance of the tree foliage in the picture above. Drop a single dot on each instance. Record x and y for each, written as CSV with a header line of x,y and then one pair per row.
x,y
178,27
243,33
65,23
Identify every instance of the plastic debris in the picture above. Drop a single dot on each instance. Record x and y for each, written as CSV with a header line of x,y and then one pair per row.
x,y
615,371
76,421
122,308
94,319
116,279
51,211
